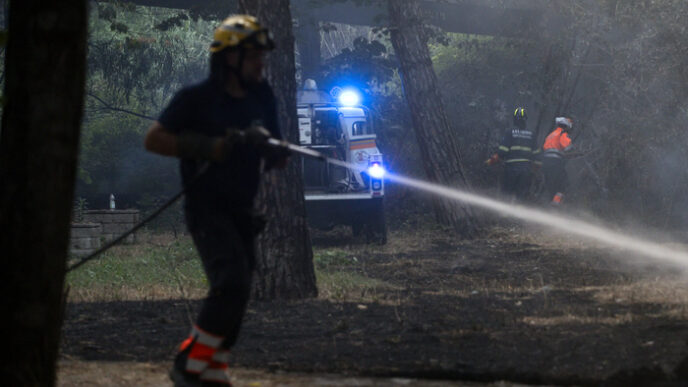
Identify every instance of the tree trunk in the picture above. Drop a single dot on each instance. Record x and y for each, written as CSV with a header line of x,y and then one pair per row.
x,y
436,138
285,258
46,67
308,43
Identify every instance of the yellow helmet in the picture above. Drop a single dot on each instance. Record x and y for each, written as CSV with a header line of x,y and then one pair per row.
x,y
241,31
520,116
520,112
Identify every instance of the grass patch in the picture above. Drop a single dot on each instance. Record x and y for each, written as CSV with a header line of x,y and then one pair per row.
x,y
340,276
348,286
332,259
166,267
143,271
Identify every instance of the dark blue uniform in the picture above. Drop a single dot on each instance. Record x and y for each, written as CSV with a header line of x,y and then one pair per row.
x,y
518,150
219,202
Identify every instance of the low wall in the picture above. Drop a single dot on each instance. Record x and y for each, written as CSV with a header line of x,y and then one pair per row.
x,y
114,222
85,238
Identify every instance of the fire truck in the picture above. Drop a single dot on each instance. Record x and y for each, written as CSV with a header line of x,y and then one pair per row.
x,y
337,126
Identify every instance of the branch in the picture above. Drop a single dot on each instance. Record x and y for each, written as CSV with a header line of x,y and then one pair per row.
x,y
596,177
575,82
117,109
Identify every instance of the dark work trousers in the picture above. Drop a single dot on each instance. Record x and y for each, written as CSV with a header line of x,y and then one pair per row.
x,y
225,241
516,180
556,178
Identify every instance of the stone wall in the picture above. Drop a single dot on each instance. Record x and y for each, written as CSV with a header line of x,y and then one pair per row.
x,y
114,222
85,238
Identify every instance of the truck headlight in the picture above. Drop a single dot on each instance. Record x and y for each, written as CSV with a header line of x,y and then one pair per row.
x,y
376,171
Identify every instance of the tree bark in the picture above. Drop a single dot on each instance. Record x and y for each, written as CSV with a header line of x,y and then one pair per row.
x,y
436,138
285,258
308,43
46,67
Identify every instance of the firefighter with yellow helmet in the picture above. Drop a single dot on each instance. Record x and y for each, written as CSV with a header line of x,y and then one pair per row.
x,y
219,130
518,150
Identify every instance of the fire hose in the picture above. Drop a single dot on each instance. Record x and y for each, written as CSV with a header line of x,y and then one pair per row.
x,y
270,142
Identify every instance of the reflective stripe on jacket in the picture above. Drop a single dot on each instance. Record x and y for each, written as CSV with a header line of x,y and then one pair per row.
x,y
557,143
517,145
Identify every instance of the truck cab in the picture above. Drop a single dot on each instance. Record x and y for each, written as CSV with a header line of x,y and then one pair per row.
x,y
336,125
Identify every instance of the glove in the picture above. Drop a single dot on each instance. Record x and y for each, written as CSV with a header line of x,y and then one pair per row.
x,y
492,160
254,135
224,149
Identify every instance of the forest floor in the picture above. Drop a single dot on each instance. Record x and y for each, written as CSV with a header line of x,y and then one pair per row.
x,y
515,305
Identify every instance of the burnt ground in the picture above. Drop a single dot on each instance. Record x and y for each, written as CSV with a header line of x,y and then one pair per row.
x,y
510,305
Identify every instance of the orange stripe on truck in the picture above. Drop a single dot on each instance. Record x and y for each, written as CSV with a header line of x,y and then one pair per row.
x,y
362,145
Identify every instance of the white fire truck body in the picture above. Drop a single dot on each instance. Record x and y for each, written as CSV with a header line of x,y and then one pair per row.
x,y
336,194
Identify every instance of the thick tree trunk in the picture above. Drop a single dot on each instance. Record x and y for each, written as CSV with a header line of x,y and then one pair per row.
x,y
285,257
436,139
46,66
308,44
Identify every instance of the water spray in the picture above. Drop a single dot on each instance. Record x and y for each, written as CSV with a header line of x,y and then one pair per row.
x,y
567,224
564,223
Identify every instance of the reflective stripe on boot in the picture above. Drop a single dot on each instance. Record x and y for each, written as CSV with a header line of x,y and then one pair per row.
x,y
217,370
216,375
201,347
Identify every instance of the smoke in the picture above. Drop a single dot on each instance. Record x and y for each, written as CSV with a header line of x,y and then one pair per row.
x,y
619,68
635,135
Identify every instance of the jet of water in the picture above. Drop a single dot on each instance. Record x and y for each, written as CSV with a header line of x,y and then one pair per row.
x,y
564,223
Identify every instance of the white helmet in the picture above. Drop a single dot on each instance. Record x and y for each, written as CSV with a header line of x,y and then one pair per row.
x,y
563,121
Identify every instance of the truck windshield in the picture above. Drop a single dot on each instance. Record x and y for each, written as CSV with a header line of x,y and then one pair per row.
x,y
326,129
360,128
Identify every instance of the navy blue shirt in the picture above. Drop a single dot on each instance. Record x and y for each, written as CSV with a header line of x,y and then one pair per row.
x,y
206,108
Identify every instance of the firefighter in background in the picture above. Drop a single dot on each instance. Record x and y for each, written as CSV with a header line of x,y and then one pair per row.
x,y
518,151
219,129
555,151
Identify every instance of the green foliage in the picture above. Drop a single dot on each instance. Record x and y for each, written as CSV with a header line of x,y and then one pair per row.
x,y
366,65
119,27
135,67
138,66
173,21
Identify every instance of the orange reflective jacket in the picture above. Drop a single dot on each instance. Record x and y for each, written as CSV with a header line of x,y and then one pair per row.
x,y
557,143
